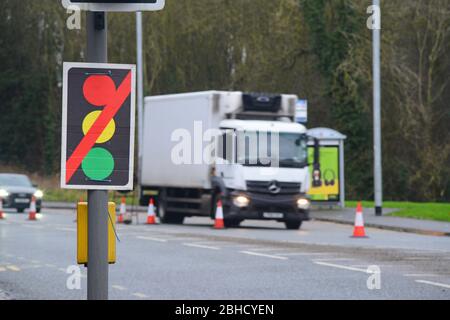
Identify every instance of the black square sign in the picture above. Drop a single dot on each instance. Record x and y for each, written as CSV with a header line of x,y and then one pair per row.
x,y
98,126
116,5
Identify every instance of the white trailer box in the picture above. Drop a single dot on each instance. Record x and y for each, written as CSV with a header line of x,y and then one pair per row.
x,y
169,116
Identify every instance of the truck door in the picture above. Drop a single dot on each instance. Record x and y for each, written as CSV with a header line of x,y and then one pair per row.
x,y
226,155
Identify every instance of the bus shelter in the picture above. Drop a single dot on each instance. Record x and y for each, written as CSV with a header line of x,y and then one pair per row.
x,y
331,191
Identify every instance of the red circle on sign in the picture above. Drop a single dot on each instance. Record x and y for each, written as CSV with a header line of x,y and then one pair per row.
x,y
98,90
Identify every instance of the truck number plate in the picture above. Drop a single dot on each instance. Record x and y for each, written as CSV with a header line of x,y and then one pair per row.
x,y
22,200
273,215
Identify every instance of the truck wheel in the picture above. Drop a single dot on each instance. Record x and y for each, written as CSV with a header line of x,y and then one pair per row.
x,y
293,224
172,218
232,223
168,217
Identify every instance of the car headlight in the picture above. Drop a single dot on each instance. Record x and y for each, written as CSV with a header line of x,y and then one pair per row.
x,y
3,193
241,201
303,204
39,194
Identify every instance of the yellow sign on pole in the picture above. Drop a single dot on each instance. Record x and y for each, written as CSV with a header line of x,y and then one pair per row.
x,y
82,233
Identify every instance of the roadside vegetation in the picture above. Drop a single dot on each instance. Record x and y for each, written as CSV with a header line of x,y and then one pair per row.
x,y
417,210
318,49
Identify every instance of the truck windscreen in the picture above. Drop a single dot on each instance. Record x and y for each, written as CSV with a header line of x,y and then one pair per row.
x,y
268,149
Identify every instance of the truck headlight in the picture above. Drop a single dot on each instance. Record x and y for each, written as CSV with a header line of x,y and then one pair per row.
x,y
39,194
4,193
303,204
241,201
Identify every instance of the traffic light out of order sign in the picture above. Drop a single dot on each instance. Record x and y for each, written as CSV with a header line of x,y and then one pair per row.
x,y
98,126
98,164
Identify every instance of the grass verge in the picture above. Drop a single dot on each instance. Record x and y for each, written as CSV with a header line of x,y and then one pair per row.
x,y
416,210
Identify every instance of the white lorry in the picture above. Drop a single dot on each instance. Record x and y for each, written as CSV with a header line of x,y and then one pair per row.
x,y
242,149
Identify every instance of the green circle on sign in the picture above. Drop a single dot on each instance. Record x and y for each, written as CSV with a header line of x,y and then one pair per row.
x,y
98,164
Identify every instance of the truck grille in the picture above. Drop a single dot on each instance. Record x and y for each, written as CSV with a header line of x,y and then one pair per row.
x,y
273,187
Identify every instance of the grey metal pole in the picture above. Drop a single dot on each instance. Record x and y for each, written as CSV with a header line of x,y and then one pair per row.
x,y
140,81
378,175
140,95
97,199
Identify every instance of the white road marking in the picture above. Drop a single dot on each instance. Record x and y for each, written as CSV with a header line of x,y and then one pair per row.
x,y
334,259
264,255
413,275
2,269
373,264
200,246
49,265
268,249
13,268
437,284
303,254
117,287
33,227
152,239
340,266
140,295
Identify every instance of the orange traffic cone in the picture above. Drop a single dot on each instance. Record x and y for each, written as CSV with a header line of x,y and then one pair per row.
x,y
218,224
359,231
32,213
151,219
123,210
2,214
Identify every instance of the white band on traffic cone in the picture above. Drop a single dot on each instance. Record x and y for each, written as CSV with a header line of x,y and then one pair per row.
x,y
123,208
151,210
219,212
33,206
359,221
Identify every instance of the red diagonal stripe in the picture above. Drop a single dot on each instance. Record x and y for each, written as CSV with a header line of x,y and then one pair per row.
x,y
89,140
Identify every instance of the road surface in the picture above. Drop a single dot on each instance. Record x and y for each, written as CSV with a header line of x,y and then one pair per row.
x,y
260,260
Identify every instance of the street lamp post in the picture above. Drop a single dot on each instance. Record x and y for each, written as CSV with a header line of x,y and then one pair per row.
x,y
378,176
140,89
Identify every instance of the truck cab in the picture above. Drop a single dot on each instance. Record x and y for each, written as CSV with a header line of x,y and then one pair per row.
x,y
262,171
